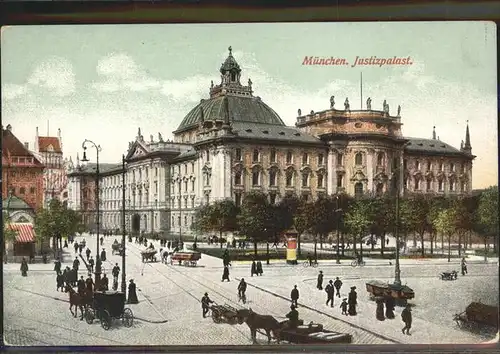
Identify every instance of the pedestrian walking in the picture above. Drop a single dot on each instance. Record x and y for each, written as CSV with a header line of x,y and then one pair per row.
x,y
102,240
60,281
389,307
225,274
24,267
115,272
104,283
80,248
310,259
132,293
242,288
65,276
57,266
464,266
91,264
319,284
205,304
254,268
330,292
259,268
379,313
89,284
352,301
406,317
76,264
75,245
343,306
87,252
337,284
65,244
294,295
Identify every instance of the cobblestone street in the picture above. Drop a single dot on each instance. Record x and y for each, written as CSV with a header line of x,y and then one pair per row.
x,y
169,312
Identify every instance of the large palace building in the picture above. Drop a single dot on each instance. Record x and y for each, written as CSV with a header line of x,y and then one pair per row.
x,y
232,143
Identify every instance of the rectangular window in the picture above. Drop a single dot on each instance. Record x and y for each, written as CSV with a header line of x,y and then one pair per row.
x,y
452,186
321,159
305,158
452,167
237,155
208,156
255,156
417,165
185,169
192,167
428,185
186,185
289,179
441,166
340,159
429,166
273,155
237,199
289,157
192,186
305,180
237,178
340,180
440,186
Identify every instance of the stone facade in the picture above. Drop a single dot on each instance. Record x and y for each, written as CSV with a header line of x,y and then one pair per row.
x,y
233,143
22,172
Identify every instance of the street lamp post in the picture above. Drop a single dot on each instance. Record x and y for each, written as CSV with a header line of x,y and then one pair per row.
x,y
396,177
97,196
338,211
124,278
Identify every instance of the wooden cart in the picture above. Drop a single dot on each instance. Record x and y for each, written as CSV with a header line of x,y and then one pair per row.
x,y
187,258
313,334
478,315
401,293
224,314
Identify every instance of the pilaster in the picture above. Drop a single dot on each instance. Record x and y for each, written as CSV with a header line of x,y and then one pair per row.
x,y
331,183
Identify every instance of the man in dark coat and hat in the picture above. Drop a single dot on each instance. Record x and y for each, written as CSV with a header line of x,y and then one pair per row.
x,y
205,304
259,268
294,295
330,291
91,264
242,288
389,307
407,319
89,284
132,293
60,281
254,268
57,266
76,263
319,284
75,245
337,284
104,283
87,252
225,274
293,317
80,248
352,301
66,276
81,285
24,267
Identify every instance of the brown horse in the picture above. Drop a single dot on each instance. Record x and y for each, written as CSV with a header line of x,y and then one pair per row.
x,y
255,321
77,300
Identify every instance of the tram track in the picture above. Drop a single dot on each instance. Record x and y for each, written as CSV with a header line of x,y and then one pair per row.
x,y
187,291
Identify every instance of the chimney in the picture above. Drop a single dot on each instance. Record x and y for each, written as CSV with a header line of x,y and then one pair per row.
x,y
27,146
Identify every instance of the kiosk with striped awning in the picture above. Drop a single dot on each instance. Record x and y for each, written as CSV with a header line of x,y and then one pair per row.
x,y
25,232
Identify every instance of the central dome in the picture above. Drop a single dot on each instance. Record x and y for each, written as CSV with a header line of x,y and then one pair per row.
x,y
242,106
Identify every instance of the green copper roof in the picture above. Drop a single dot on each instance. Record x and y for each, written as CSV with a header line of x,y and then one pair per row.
x,y
241,109
15,203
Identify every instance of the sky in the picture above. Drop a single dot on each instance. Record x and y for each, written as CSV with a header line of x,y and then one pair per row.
x,y
103,82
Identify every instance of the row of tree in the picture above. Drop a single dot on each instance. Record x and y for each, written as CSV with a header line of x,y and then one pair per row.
x,y
352,219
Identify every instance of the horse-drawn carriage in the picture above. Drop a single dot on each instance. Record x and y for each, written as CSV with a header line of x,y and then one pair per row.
x,y
117,248
479,315
302,334
453,275
149,255
401,293
187,258
107,306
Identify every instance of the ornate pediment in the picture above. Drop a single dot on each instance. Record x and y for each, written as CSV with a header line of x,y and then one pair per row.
x,y
137,149
305,169
380,177
321,171
359,176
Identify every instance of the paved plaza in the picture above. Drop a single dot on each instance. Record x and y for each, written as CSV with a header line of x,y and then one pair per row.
x,y
169,309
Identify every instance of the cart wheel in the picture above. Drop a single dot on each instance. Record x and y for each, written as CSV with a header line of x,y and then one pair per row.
x,y
105,320
128,317
89,315
216,317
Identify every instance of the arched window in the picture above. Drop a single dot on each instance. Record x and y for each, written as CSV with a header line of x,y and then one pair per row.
x,y
289,179
272,178
358,189
429,185
320,180
358,159
273,155
237,178
305,179
417,184
255,178
380,159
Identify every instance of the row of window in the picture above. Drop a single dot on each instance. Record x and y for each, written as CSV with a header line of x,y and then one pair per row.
x,y
256,157
428,186
289,179
22,190
441,166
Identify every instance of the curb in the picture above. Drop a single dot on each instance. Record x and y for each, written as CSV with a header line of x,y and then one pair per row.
x,y
328,315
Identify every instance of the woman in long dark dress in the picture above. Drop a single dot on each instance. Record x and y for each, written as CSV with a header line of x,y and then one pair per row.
x,y
254,268
24,268
352,301
60,281
132,294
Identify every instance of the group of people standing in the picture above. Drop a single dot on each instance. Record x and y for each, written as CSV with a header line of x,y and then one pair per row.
x,y
348,304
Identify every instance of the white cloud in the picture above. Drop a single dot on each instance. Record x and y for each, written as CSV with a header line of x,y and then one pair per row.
x,y
119,72
11,91
192,88
56,75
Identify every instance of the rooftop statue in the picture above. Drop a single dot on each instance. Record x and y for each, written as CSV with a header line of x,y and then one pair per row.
x,y
347,107
399,111
299,112
160,138
369,104
332,101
